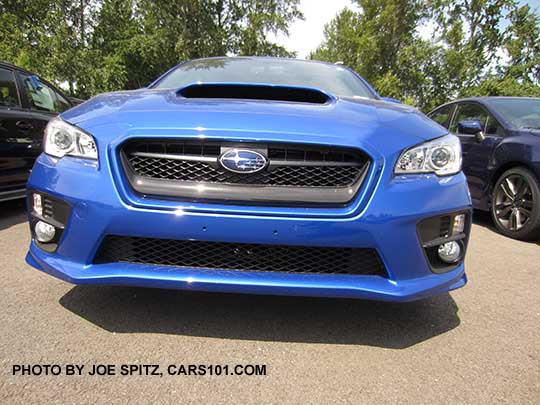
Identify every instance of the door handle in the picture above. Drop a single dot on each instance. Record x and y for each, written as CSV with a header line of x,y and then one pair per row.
x,y
24,126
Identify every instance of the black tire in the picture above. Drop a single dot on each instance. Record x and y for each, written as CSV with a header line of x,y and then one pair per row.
x,y
515,204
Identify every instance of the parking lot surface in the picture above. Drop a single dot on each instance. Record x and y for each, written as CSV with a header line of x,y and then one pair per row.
x,y
478,344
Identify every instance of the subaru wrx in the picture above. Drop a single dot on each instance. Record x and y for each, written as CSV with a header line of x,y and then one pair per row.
x,y
252,175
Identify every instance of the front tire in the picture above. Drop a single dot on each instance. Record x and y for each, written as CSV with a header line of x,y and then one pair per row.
x,y
515,204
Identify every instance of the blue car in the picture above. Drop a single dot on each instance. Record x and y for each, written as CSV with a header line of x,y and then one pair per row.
x,y
500,137
252,175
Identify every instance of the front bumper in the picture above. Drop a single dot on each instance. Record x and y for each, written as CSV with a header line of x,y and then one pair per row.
x,y
387,222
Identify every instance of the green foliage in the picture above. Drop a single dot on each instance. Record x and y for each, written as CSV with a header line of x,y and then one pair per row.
x,y
103,45
522,44
478,47
497,86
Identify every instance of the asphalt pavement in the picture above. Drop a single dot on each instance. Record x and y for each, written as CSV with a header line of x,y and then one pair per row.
x,y
478,344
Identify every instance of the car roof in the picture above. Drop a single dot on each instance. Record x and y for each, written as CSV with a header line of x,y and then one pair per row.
x,y
20,69
12,66
282,58
487,99
483,100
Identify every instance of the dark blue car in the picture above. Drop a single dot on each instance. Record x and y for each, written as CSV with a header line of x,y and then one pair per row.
x,y
500,138
253,175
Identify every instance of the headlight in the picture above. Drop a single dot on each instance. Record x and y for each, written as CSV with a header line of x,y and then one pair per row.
x,y
441,156
63,139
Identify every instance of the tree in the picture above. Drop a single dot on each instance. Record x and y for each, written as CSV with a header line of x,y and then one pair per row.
x,y
522,44
471,36
23,31
380,42
102,45
464,56
496,61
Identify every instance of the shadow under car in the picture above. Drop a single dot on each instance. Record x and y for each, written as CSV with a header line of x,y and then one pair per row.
x,y
263,318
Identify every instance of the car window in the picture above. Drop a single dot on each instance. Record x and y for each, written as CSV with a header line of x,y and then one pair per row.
x,y
443,115
522,112
493,127
334,79
8,89
469,112
43,97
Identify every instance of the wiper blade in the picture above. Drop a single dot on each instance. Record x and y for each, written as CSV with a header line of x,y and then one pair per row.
x,y
530,127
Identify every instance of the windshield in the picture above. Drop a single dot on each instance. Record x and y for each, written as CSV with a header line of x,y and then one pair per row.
x,y
333,79
521,112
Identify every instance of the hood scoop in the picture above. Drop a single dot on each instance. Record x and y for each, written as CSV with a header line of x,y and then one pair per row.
x,y
247,91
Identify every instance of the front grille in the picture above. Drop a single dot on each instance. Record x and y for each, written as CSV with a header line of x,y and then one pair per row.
x,y
310,170
293,176
289,166
240,256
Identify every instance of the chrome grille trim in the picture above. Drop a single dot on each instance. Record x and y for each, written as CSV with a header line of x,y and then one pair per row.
x,y
189,158
208,159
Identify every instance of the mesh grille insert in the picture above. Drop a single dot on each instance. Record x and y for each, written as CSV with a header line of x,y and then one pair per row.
x,y
299,176
240,256
290,165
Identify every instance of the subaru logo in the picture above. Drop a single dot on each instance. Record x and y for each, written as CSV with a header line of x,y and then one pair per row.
x,y
243,161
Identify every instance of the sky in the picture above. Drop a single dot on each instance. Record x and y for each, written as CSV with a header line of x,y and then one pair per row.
x,y
306,35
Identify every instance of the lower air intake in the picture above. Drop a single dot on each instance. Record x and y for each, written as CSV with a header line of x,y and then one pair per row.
x,y
240,256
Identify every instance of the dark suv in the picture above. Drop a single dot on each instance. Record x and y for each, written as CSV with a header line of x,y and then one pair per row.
x,y
27,103
500,138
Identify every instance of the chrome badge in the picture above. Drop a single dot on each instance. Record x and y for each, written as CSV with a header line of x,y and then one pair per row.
x,y
243,161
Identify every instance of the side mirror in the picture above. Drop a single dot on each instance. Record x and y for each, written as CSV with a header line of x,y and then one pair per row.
x,y
480,136
472,127
391,100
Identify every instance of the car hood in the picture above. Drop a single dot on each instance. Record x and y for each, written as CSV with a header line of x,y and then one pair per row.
x,y
533,131
339,121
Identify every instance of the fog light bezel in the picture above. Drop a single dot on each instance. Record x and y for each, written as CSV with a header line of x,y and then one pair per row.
x,y
431,236
56,212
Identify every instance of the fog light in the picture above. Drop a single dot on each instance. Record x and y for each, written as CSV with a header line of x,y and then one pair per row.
x,y
449,252
44,232
459,224
38,206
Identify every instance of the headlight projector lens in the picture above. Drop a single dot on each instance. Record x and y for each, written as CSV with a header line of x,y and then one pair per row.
x,y
44,232
63,141
450,252
440,157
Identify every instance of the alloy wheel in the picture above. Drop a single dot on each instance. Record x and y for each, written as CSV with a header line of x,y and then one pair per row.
x,y
514,202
